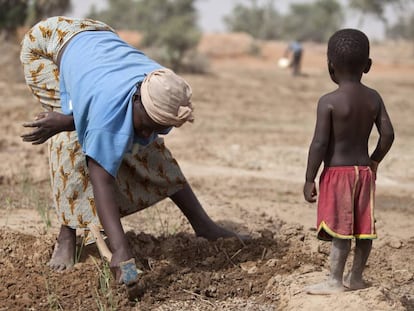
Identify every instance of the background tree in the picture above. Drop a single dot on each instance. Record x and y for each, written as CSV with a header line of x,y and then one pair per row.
x,y
45,8
40,9
313,21
16,13
404,9
13,14
169,26
306,21
120,14
402,29
261,22
375,8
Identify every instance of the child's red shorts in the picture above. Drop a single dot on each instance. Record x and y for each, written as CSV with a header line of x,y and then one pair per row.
x,y
346,203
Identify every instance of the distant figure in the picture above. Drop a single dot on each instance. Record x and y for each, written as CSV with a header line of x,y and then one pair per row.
x,y
345,118
295,51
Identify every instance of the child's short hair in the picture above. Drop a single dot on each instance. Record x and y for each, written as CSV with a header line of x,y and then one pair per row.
x,y
348,49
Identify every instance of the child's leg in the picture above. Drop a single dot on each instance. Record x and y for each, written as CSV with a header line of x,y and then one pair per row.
x,y
202,224
339,253
362,250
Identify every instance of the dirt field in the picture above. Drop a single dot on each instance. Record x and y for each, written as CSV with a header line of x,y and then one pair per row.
x,y
245,157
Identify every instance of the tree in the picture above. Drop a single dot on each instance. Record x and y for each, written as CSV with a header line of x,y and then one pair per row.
x,y
47,8
16,13
372,7
403,29
170,26
40,9
305,21
13,14
315,21
120,14
261,22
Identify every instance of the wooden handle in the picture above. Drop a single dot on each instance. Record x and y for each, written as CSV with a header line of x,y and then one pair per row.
x,y
102,247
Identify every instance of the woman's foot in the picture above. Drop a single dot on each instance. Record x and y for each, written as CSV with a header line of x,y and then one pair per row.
x,y
213,232
63,256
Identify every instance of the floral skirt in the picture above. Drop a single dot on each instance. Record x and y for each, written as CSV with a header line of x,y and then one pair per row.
x,y
147,175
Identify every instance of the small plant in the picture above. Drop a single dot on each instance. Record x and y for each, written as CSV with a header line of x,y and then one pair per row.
x,y
164,224
31,195
52,299
43,211
79,249
105,299
53,302
163,220
9,206
153,216
26,183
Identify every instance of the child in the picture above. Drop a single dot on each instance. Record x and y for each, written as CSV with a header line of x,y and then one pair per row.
x,y
118,100
295,49
345,118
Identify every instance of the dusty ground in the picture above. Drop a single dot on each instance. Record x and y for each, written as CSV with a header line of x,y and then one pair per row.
x,y
245,157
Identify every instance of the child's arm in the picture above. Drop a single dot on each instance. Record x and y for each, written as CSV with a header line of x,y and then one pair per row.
x,y
48,124
318,147
386,135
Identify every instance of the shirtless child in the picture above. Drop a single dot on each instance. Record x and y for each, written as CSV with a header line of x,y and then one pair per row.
x,y
345,118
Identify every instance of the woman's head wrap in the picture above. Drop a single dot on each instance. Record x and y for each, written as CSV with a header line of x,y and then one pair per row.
x,y
166,98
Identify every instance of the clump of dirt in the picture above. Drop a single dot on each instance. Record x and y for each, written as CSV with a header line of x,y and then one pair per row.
x,y
175,267
181,268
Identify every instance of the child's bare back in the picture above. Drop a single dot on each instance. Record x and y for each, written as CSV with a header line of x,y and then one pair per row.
x,y
350,112
345,117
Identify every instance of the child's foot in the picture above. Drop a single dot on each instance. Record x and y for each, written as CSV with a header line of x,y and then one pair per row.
x,y
63,256
354,284
326,288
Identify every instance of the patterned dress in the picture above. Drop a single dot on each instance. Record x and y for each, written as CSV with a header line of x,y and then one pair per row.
x,y
147,175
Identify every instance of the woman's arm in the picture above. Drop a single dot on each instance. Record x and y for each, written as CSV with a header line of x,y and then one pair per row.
x,y
48,124
108,211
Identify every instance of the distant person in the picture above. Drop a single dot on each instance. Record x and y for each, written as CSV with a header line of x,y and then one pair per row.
x,y
118,100
294,51
345,118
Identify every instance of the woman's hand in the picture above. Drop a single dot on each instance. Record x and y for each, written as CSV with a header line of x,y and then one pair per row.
x,y
47,124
